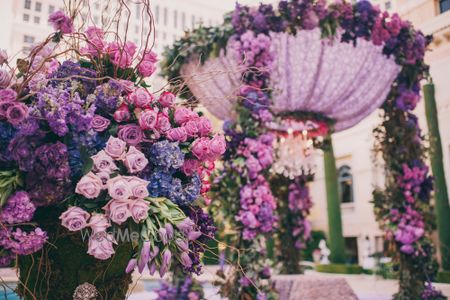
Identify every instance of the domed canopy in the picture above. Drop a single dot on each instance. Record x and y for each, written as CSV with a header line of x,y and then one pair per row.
x,y
341,81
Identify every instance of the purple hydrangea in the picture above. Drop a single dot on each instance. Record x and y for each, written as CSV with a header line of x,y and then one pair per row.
x,y
166,155
52,161
108,96
7,133
21,242
18,209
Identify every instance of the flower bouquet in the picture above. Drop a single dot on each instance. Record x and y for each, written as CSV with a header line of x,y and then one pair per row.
x,y
98,176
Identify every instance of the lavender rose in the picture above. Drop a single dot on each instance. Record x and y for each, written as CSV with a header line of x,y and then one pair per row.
x,y
101,245
139,210
138,187
131,134
99,223
166,99
177,134
147,119
103,162
74,218
100,123
119,188
89,186
140,98
135,161
117,210
115,147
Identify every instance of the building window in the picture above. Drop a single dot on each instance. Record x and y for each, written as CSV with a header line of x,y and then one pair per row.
x,y
165,16
157,14
387,5
27,4
28,39
183,20
37,20
175,19
351,249
38,6
345,180
51,9
26,17
444,5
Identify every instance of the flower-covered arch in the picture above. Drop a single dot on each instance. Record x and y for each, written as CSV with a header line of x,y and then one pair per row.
x,y
243,52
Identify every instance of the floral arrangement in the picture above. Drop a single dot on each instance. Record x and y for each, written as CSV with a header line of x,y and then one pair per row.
x,y
189,289
86,148
399,137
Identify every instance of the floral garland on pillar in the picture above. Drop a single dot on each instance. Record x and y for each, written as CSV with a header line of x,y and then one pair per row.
x,y
294,204
248,159
403,208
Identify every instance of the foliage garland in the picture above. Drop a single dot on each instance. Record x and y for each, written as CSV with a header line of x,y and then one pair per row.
x,y
403,207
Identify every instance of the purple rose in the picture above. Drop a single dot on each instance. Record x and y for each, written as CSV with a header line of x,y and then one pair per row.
x,y
117,210
141,98
16,113
148,119
119,188
100,123
139,210
90,186
131,134
163,124
134,160
103,162
101,245
115,147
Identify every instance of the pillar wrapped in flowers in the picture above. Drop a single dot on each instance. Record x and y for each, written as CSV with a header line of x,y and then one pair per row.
x,y
98,175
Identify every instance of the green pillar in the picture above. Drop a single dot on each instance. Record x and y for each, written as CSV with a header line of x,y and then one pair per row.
x,y
437,167
336,238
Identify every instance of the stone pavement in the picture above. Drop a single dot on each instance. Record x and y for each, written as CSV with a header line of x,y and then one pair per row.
x,y
366,287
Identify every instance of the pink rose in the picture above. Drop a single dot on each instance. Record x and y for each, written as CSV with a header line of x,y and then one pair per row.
x,y
191,128
122,56
8,95
100,123
3,57
139,210
148,119
146,68
119,188
99,223
122,114
89,186
101,245
218,146
103,162
163,124
126,85
117,210
201,148
140,98
16,113
135,160
191,166
115,147
4,105
74,218
177,134
166,99
183,114
138,187
204,126
131,134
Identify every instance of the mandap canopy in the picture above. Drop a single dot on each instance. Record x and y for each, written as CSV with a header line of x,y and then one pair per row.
x,y
290,74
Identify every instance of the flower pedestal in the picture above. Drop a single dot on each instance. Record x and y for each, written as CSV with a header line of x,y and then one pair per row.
x,y
63,264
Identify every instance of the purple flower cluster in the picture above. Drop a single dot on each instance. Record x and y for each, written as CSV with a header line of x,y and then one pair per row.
x,y
166,155
18,209
410,228
204,224
22,243
257,206
62,109
258,153
300,204
108,96
431,293
7,133
188,289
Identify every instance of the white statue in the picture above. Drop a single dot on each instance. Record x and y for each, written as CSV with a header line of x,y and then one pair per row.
x,y
368,262
324,252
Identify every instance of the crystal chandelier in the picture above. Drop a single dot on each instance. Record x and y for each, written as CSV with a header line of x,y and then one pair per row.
x,y
294,147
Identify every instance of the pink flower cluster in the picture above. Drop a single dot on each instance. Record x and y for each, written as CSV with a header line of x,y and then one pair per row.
x,y
411,181
13,111
258,154
257,208
255,50
122,55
